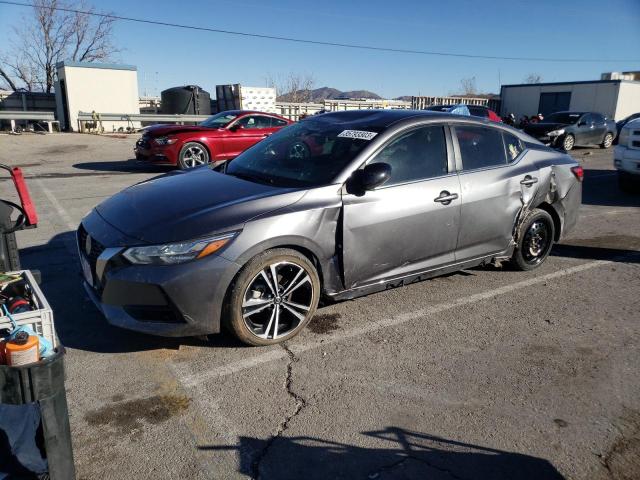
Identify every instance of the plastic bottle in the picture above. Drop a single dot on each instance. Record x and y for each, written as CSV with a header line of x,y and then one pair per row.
x,y
22,349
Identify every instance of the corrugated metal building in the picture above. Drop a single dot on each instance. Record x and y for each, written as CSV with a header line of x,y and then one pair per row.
x,y
616,99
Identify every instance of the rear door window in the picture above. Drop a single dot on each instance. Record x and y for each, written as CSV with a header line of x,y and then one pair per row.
x,y
479,112
416,155
480,147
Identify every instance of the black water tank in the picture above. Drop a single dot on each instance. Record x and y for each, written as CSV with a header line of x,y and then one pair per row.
x,y
190,99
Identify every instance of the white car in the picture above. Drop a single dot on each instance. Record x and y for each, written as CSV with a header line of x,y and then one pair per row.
x,y
626,156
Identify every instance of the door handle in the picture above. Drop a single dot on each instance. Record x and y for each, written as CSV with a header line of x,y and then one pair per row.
x,y
445,197
528,181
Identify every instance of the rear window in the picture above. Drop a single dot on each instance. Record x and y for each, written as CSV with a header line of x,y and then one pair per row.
x,y
480,147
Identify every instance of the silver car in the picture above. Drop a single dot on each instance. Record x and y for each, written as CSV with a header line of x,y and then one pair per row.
x,y
336,206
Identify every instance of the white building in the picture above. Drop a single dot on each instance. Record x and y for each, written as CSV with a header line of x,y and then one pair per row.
x,y
615,99
99,87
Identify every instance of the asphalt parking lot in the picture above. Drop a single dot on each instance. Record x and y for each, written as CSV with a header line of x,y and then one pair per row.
x,y
488,373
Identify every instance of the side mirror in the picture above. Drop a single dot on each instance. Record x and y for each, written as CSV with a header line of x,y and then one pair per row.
x,y
370,177
582,123
234,127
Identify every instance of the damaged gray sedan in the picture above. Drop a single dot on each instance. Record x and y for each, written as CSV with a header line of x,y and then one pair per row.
x,y
336,206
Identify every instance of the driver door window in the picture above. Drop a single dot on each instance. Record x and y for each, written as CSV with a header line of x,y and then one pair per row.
x,y
417,155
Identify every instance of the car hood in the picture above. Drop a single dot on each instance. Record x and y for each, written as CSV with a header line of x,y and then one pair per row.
x,y
185,205
542,128
162,130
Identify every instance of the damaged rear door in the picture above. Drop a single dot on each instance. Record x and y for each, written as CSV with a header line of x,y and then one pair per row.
x,y
410,223
496,184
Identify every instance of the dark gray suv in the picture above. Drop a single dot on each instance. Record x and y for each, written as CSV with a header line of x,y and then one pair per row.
x,y
336,206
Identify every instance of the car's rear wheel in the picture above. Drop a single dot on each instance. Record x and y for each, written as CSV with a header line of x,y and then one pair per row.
x,y
273,297
568,142
535,239
192,154
607,141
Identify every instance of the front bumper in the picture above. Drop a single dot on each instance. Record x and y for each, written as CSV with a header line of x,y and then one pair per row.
x,y
146,150
167,300
626,159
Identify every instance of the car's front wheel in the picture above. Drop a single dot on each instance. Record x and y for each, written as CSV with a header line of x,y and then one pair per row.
x,y
273,297
568,142
535,239
607,141
192,154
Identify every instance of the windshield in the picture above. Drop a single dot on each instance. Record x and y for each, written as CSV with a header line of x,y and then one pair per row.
x,y
562,117
219,120
307,154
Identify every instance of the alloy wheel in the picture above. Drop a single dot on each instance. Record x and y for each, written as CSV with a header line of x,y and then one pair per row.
x,y
194,156
536,242
277,300
608,140
568,142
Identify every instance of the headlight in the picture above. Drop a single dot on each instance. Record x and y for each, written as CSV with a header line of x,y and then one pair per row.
x,y
173,253
555,133
165,140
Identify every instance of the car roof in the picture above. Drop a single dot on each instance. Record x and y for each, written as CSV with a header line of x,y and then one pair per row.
x,y
382,119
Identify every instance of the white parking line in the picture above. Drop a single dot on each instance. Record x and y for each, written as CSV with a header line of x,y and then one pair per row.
x,y
190,379
64,215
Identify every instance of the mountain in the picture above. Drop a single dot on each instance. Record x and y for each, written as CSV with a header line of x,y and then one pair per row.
x,y
325,93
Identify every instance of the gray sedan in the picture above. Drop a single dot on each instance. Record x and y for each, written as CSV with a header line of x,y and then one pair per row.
x,y
334,207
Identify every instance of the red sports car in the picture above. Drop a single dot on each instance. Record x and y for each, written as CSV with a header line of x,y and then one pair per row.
x,y
220,137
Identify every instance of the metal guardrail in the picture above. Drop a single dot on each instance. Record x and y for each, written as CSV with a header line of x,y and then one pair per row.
x,y
26,115
22,115
140,117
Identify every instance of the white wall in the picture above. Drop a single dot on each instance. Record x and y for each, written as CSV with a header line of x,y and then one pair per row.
x,y
105,90
628,100
594,97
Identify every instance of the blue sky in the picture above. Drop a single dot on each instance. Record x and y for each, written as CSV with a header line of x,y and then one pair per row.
x,y
167,57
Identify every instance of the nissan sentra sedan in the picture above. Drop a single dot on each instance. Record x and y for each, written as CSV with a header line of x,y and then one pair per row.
x,y
334,207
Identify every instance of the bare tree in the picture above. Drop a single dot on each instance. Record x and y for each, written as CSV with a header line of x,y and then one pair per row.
x,y
51,35
533,78
292,87
468,86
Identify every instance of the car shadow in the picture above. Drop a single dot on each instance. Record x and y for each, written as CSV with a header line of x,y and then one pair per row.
x,y
601,187
79,324
125,166
402,454
615,248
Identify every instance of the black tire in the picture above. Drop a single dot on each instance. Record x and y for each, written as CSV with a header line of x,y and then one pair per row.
x,y
531,251
607,141
258,329
187,156
9,256
568,142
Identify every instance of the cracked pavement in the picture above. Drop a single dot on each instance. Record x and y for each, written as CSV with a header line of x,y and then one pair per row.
x,y
488,373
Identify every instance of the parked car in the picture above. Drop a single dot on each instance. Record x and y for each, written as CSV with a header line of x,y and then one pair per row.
x,y
474,110
220,137
623,122
384,198
568,129
626,156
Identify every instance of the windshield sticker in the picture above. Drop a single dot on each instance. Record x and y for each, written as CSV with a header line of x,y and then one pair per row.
x,y
359,134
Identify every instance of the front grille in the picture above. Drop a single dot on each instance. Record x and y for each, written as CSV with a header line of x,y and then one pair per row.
x,y
96,249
